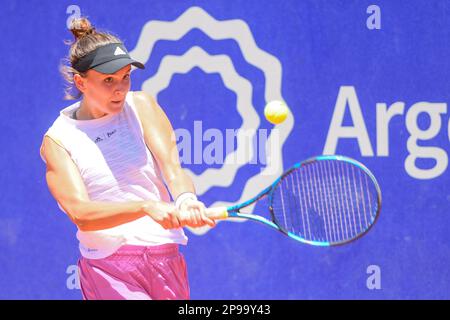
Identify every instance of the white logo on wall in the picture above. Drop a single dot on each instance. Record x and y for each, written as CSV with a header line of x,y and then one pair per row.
x,y
197,18
347,99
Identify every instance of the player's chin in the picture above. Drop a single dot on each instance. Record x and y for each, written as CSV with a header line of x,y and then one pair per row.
x,y
116,106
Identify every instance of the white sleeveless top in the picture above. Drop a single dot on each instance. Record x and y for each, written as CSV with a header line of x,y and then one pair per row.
x,y
116,166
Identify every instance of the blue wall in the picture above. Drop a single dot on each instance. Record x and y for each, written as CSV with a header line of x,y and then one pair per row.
x,y
327,53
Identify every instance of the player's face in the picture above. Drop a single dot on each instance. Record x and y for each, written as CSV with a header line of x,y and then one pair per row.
x,y
106,92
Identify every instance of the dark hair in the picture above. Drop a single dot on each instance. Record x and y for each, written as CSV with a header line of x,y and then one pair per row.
x,y
86,39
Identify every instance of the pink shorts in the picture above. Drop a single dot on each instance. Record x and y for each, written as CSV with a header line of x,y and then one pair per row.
x,y
136,273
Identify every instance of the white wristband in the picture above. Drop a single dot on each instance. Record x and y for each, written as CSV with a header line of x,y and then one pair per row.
x,y
182,197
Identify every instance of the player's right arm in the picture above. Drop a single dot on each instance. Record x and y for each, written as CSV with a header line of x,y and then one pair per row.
x,y
67,187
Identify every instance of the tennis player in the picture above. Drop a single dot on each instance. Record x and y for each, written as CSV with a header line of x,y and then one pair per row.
x,y
110,157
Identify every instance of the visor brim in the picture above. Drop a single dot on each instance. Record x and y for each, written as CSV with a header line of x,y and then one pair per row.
x,y
113,66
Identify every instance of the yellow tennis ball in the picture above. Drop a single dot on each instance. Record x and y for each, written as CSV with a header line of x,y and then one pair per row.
x,y
276,111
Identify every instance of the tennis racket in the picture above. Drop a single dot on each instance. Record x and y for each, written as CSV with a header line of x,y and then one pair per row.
x,y
322,201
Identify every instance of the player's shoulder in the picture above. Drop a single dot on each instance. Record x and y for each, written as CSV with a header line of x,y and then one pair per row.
x,y
147,106
142,99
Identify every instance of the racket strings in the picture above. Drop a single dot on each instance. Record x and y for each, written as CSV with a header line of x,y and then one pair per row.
x,y
325,201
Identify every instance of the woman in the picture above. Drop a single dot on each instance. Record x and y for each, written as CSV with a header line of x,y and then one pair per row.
x,y
107,158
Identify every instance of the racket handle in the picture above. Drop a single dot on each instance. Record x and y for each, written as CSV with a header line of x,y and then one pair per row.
x,y
217,213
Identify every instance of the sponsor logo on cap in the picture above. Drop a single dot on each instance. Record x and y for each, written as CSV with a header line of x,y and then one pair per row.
x,y
119,51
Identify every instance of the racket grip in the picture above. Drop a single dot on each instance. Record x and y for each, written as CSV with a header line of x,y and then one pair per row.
x,y
217,213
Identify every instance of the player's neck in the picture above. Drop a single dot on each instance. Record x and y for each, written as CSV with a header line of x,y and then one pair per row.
x,y
85,112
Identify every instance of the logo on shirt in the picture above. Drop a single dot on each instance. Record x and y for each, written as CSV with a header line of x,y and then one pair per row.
x,y
105,136
109,134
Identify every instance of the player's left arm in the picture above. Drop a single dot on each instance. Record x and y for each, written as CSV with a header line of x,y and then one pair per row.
x,y
160,138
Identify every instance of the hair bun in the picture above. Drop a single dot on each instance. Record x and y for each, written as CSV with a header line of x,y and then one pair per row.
x,y
81,27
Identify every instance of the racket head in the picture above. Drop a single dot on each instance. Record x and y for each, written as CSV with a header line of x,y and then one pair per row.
x,y
325,201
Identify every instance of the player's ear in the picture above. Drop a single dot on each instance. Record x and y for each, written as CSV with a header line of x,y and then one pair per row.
x,y
80,82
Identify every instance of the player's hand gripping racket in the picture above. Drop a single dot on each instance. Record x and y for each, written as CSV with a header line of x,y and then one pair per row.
x,y
323,201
